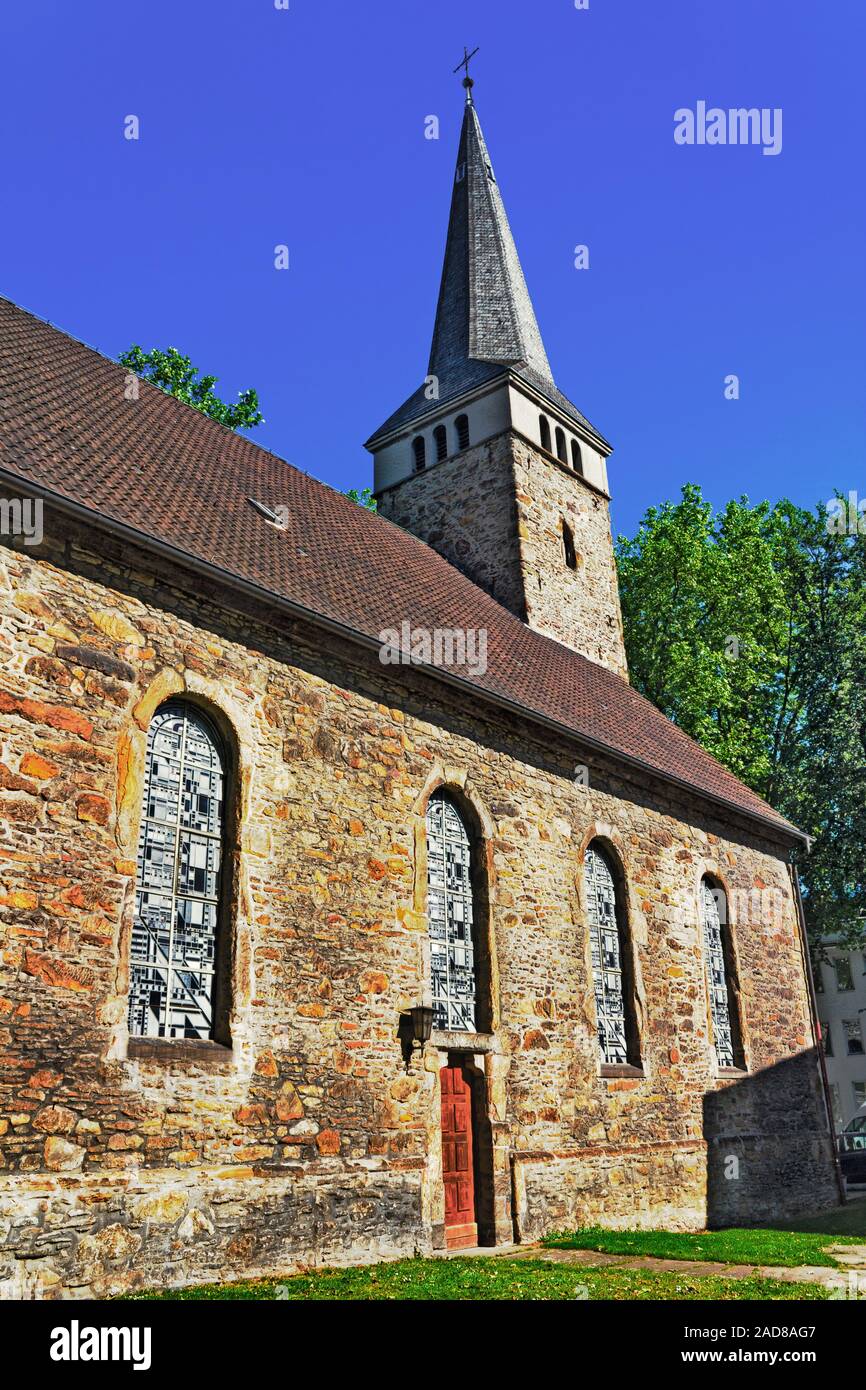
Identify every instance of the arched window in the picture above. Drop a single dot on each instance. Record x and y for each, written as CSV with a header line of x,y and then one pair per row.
x,y
451,916
611,962
544,431
461,425
568,546
721,979
173,959
419,452
440,438
576,457
561,452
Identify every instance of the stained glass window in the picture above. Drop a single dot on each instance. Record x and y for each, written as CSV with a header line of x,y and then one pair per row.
x,y
177,888
714,903
606,950
449,916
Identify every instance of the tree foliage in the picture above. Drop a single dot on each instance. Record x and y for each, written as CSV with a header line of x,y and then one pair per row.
x,y
176,375
746,627
364,498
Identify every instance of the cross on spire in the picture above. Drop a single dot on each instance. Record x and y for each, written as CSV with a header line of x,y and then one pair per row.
x,y
464,63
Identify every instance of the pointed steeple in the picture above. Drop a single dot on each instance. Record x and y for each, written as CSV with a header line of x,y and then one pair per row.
x,y
484,312
485,327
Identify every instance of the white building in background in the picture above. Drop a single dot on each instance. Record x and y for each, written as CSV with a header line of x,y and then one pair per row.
x,y
840,985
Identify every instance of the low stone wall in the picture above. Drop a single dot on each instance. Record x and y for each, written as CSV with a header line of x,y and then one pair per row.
x,y
645,1187
765,1136
91,1238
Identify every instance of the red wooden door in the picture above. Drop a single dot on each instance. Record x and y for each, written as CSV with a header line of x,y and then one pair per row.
x,y
457,1171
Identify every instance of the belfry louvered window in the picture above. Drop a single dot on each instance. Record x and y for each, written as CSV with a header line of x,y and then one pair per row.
x,y
450,916
723,1004
174,934
610,967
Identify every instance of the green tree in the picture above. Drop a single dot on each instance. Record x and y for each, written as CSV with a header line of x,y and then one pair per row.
x,y
364,498
746,627
175,374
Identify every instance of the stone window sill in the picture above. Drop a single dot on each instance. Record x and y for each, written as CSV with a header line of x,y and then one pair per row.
x,y
180,1051
731,1073
610,1070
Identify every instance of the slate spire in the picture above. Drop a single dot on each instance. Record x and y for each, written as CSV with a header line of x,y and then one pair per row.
x,y
484,313
485,323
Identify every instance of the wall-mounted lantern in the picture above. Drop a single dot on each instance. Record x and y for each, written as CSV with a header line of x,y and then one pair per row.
x,y
416,1025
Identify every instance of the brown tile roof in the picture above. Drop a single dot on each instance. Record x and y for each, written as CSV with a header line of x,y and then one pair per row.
x,y
169,474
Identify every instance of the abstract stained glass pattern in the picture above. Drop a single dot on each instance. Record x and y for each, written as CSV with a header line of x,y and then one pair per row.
x,y
606,958
177,888
449,909
720,1007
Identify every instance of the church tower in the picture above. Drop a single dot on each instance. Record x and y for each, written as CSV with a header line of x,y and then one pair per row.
x,y
487,461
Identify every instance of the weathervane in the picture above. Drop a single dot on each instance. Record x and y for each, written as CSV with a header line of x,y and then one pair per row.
x,y
464,63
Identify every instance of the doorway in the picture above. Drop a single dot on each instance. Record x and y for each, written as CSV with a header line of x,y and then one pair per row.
x,y
467,1155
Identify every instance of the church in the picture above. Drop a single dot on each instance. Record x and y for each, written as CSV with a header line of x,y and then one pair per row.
x,y
352,903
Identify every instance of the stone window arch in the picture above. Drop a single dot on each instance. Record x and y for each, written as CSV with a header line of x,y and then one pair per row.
x,y
419,453
178,956
457,908
544,432
721,975
440,439
561,452
611,954
461,425
576,457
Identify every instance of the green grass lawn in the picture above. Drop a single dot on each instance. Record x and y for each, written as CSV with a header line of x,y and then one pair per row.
x,y
755,1247
486,1278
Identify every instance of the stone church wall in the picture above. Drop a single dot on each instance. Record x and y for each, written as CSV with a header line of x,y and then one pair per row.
x,y
307,1142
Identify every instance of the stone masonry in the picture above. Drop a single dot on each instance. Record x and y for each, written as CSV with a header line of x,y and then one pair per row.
x,y
496,512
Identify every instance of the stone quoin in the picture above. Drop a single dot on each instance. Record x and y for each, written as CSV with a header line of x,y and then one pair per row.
x,y
237,848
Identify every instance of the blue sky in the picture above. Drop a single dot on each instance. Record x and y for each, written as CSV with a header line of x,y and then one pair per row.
x,y
306,127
